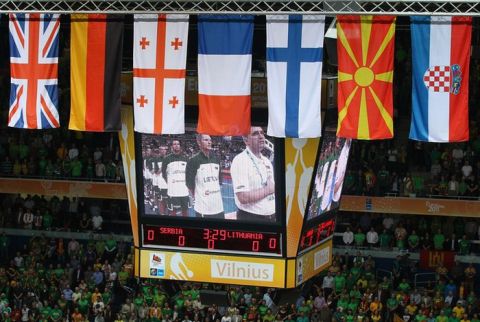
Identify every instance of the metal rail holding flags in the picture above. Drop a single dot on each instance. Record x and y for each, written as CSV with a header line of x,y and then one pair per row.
x,y
260,7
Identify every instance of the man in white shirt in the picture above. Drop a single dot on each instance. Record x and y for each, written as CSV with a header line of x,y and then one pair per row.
x,y
253,180
97,221
372,237
327,284
388,223
467,169
73,152
348,237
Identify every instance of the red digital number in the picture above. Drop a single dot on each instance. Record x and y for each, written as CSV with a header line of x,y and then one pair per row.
x,y
255,245
181,240
272,243
206,234
150,234
211,244
223,234
214,234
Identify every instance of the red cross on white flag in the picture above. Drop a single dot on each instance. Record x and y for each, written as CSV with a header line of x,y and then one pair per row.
x,y
159,62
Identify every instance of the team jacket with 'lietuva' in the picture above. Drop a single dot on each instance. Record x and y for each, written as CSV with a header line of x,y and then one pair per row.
x,y
173,171
203,178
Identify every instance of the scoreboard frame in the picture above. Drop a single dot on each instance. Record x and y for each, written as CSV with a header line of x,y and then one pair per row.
x,y
192,223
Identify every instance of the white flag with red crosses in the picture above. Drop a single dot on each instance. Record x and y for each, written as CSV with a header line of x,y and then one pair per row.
x,y
159,60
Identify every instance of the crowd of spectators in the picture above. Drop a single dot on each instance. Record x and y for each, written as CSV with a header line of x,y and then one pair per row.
x,y
417,169
60,154
412,233
62,214
59,280
353,293
56,280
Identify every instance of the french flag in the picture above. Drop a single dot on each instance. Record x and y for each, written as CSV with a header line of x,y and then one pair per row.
x,y
224,74
440,67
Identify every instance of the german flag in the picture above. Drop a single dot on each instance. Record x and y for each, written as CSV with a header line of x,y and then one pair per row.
x,y
365,46
95,72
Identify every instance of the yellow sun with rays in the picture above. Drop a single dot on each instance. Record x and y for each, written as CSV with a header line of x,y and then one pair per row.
x,y
365,76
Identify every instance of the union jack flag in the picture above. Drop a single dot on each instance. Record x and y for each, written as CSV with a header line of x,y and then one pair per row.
x,y
34,71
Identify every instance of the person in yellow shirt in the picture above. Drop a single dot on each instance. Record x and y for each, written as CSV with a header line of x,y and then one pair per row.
x,y
376,305
96,295
458,310
411,309
376,317
465,318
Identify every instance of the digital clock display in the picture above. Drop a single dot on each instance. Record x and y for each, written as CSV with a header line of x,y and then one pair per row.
x,y
212,239
317,234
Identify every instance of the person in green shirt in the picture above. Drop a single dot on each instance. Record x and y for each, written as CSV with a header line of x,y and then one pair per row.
x,y
263,308
385,284
453,318
392,306
359,238
413,240
343,302
56,314
339,283
438,240
47,220
385,239
167,311
110,248
464,245
355,293
349,317
45,312
475,318
420,317
357,270
404,286
268,317
76,168
83,304
353,305
442,317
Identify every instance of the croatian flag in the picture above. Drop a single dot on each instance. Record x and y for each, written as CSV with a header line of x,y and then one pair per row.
x,y
224,74
440,56
294,75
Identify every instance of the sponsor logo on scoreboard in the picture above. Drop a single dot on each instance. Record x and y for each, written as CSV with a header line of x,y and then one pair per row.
x,y
236,270
321,258
157,264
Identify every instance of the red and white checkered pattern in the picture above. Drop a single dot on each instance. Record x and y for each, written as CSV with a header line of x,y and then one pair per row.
x,y
437,78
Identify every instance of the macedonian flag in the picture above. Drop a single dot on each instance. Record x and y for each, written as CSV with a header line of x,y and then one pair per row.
x,y
365,46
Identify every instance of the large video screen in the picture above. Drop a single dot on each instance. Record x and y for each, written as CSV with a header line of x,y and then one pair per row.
x,y
329,174
206,177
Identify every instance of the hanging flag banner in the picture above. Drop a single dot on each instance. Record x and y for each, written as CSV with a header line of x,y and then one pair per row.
x,y
294,75
34,71
95,72
224,74
440,66
365,46
159,61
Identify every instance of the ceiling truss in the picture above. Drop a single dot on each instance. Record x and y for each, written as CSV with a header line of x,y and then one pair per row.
x,y
328,7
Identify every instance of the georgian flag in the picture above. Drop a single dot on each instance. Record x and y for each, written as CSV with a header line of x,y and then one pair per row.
x,y
159,60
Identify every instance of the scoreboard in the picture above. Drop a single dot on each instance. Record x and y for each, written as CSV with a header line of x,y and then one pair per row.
x,y
250,210
212,239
